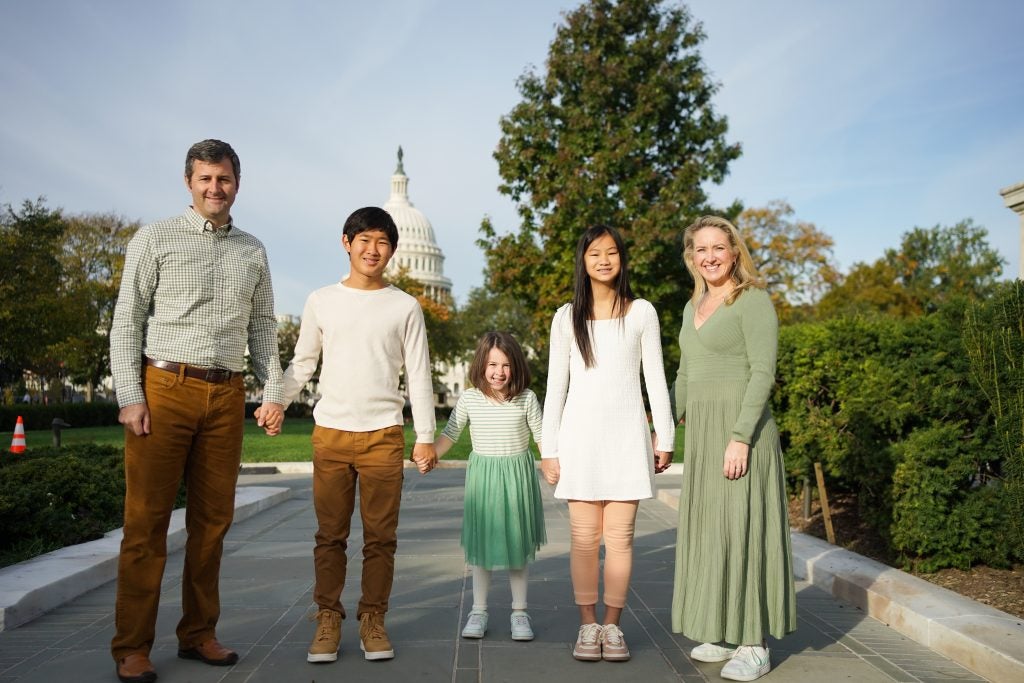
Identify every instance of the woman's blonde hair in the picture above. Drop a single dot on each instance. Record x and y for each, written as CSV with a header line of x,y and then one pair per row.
x,y
744,273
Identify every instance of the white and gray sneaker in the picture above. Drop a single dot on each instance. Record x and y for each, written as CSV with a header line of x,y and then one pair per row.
x,y
748,664
476,624
709,652
521,629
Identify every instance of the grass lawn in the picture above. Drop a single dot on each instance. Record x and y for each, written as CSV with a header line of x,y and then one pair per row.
x,y
291,445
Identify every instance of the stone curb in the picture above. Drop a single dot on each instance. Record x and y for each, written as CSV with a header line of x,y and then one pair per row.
x,y
33,587
981,638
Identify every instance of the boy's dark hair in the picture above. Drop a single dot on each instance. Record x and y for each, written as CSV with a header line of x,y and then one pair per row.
x,y
211,151
371,218
507,344
583,295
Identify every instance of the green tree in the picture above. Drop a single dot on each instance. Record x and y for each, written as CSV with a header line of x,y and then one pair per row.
x,y
619,129
794,257
32,317
92,260
932,268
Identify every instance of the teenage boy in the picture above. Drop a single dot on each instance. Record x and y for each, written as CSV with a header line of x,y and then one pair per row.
x,y
367,330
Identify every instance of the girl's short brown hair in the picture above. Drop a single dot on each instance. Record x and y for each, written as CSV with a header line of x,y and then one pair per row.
x,y
507,344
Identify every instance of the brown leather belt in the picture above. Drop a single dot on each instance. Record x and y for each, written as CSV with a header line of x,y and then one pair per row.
x,y
214,375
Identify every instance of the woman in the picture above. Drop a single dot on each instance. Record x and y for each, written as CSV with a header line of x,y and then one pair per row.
x,y
733,578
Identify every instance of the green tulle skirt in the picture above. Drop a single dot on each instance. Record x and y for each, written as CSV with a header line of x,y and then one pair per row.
x,y
503,518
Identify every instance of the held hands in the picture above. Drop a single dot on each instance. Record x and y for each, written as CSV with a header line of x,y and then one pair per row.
x,y
551,470
736,456
425,457
662,459
270,416
136,418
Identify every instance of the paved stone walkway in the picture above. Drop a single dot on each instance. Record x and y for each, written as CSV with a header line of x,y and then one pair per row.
x,y
266,592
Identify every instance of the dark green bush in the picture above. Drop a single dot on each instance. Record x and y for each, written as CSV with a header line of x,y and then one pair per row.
x,y
50,498
39,416
860,394
944,514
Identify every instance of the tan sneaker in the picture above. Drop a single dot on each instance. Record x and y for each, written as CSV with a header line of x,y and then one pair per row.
x,y
373,639
324,647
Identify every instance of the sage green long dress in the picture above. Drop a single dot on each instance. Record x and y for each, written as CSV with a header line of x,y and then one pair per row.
x,y
734,570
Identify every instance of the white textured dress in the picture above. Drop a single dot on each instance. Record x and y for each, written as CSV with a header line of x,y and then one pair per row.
x,y
595,422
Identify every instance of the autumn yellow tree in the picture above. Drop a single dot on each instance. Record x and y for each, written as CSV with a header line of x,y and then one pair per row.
x,y
794,257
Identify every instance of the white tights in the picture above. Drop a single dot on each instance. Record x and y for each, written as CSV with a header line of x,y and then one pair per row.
x,y
482,584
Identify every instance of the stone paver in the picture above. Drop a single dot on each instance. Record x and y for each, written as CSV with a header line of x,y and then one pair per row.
x,y
266,591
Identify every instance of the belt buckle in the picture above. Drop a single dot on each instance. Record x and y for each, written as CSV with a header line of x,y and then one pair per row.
x,y
215,375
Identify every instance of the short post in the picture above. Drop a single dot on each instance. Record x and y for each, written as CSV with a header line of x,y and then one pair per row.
x,y
56,426
823,495
807,498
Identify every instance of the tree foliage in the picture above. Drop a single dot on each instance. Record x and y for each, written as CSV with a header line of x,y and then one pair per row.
x,y
31,315
794,257
58,286
931,268
619,129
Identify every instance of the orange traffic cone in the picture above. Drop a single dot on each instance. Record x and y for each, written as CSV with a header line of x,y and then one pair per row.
x,y
18,442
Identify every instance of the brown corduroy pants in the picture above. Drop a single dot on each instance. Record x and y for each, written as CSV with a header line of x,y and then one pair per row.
x,y
196,433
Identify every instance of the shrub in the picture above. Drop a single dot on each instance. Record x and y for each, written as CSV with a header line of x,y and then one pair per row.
x,y
944,515
50,498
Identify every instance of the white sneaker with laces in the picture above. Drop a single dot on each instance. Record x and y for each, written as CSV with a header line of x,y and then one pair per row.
x,y
613,644
521,629
476,624
748,664
588,643
709,652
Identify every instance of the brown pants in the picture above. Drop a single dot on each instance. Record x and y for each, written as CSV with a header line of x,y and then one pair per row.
x,y
374,462
196,432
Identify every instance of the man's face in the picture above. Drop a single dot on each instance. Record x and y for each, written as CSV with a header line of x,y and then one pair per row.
x,y
369,253
213,186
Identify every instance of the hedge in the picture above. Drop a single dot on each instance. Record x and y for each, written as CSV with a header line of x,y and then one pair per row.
x,y
40,416
53,498
892,410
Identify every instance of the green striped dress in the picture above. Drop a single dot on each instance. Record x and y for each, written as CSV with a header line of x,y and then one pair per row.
x,y
502,519
734,571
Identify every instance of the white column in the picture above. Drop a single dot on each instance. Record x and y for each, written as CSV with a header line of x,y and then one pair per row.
x,y
1013,196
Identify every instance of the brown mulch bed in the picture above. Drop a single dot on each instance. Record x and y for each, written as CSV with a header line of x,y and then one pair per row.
x,y
999,588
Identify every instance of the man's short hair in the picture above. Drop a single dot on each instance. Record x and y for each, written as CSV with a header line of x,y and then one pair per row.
x,y
371,218
212,151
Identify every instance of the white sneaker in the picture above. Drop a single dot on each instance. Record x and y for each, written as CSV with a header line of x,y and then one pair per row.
x,y
521,629
748,664
476,624
588,643
709,652
613,644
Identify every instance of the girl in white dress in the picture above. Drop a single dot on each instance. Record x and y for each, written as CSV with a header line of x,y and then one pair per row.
x,y
502,519
597,441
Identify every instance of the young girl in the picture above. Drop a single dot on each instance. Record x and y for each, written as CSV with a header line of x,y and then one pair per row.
x,y
503,521
597,442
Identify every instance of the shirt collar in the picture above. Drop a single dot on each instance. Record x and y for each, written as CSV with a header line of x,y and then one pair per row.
x,y
200,224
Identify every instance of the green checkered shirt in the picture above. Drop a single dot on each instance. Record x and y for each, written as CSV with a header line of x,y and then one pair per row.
x,y
192,294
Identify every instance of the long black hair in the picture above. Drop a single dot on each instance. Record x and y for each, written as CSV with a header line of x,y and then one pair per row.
x,y
583,294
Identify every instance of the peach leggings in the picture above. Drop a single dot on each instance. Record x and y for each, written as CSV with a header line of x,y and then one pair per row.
x,y
589,520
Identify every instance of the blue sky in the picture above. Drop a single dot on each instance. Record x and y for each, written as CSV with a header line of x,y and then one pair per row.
x,y
868,117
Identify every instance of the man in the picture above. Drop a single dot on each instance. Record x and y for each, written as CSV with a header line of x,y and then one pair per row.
x,y
195,291
368,331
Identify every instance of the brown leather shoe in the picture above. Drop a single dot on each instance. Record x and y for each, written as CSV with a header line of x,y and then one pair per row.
x,y
136,668
211,652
